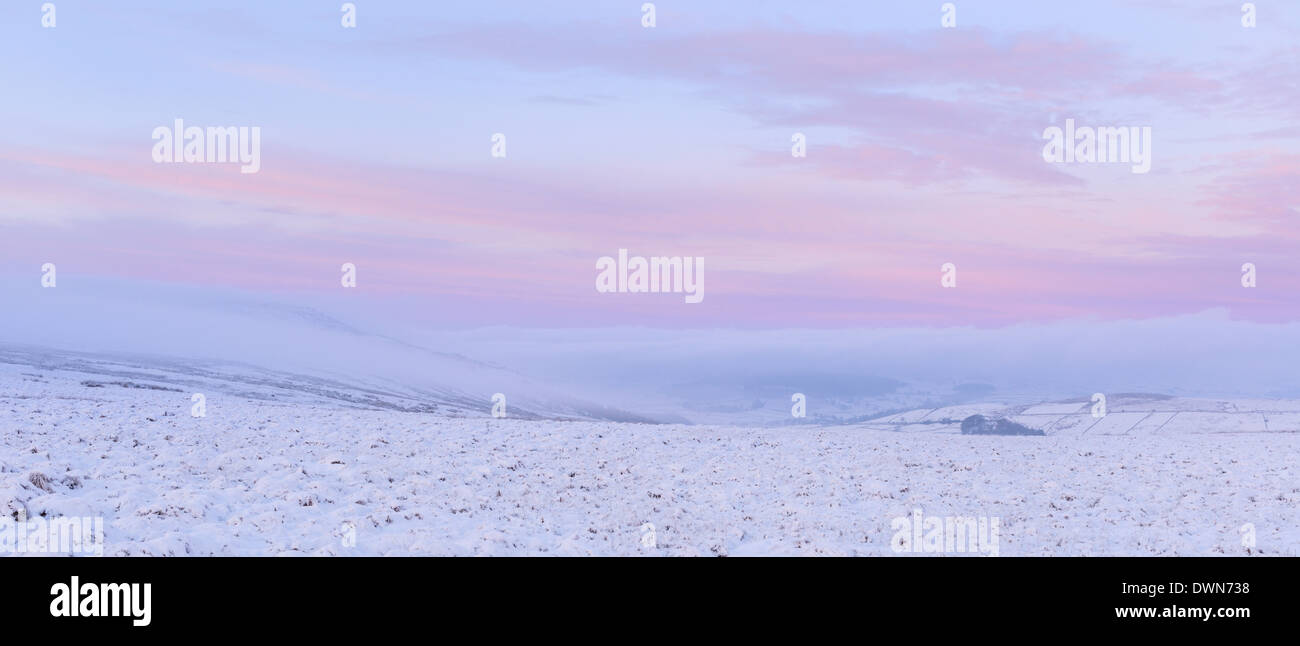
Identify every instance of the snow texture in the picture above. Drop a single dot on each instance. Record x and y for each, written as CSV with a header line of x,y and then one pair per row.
x,y
276,468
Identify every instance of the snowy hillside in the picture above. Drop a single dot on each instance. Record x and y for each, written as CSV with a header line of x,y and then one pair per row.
x,y
1126,414
287,466
201,339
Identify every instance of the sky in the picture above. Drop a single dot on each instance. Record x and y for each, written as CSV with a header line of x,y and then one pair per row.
x,y
924,147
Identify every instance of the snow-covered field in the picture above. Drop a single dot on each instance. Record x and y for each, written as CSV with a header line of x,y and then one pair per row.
x,y
256,476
